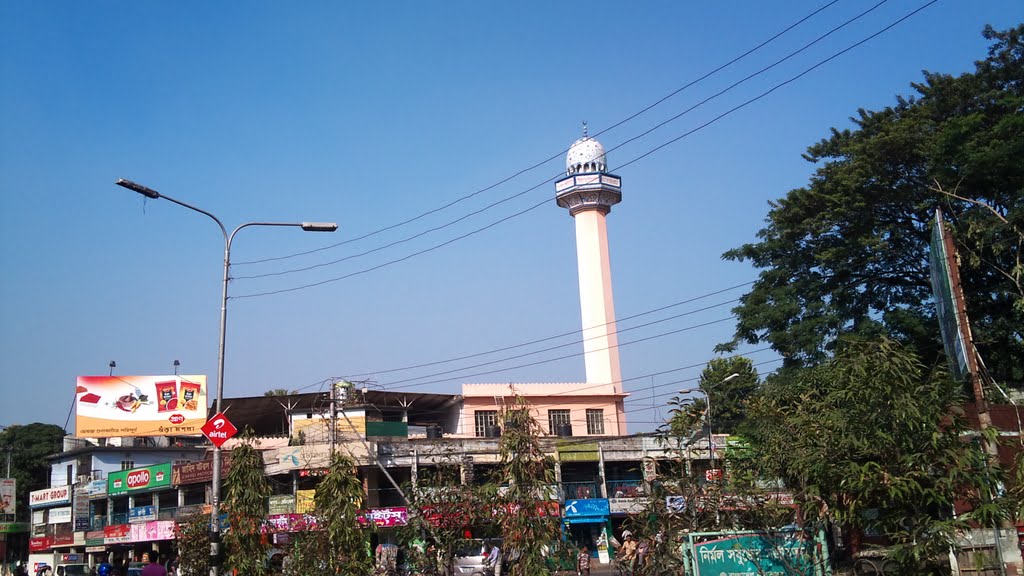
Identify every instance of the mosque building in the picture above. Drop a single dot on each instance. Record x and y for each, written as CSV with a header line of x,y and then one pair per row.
x,y
594,407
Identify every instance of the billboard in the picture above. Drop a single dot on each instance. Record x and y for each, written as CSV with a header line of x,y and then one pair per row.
x,y
8,495
139,479
940,261
107,406
50,496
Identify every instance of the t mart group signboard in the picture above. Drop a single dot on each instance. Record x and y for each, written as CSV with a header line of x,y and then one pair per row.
x,y
50,497
139,479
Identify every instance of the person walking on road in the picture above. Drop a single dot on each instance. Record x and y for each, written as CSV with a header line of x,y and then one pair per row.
x,y
583,562
152,568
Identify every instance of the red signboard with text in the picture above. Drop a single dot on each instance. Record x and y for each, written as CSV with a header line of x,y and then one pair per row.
x,y
219,429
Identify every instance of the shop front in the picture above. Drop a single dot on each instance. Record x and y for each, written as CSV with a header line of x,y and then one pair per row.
x,y
586,523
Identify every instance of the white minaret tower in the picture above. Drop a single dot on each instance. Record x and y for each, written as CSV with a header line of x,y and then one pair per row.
x,y
589,192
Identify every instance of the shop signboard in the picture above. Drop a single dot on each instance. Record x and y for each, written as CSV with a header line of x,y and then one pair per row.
x,y
386,517
39,543
59,515
141,514
152,531
755,553
139,479
627,505
13,527
200,472
64,539
93,489
80,505
50,497
304,501
117,534
587,510
290,523
281,504
8,496
71,558
107,406
94,538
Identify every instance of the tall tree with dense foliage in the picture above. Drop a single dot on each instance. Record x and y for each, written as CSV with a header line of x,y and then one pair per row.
x,y
339,543
193,536
728,396
874,440
245,502
29,445
523,507
847,254
442,507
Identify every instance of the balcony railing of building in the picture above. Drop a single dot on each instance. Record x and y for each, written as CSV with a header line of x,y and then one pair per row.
x,y
167,513
580,490
383,498
97,522
625,488
119,518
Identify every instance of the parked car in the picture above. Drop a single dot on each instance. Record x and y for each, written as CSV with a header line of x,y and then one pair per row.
x,y
135,569
73,570
470,556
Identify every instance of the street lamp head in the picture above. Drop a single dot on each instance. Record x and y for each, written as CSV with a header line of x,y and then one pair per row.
x,y
732,376
135,187
319,226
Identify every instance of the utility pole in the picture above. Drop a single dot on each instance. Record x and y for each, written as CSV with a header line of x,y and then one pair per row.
x,y
334,417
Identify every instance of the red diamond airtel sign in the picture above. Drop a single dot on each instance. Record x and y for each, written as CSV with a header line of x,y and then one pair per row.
x,y
219,429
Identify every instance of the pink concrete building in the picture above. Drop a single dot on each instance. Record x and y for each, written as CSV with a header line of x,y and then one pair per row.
x,y
594,407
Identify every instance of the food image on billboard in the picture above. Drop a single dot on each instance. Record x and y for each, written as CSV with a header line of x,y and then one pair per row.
x,y
108,406
8,502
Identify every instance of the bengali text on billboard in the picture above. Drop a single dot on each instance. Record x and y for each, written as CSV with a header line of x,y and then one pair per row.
x,y
107,406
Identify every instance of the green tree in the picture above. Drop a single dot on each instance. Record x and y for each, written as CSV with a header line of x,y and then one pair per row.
x,y
872,439
280,392
338,544
442,507
846,254
530,528
729,396
193,537
30,444
245,502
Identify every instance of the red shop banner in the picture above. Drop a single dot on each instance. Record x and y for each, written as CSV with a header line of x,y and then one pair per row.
x,y
39,544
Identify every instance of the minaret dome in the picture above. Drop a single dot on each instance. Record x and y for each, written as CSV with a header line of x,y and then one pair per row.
x,y
585,155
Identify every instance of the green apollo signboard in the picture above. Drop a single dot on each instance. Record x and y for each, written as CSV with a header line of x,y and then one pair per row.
x,y
139,479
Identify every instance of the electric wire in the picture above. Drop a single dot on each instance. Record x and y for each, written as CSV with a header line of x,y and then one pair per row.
x,y
559,175
555,337
574,342
628,163
561,153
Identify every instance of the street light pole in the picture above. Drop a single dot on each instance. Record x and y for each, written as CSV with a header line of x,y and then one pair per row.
x,y
707,397
228,239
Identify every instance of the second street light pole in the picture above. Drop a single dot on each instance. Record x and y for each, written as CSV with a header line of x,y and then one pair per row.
x,y
228,238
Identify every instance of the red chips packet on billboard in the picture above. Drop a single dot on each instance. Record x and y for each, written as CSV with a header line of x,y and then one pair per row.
x,y
190,395
166,396
89,398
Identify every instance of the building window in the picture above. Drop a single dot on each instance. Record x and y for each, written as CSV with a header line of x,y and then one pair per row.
x,y
484,419
595,421
555,419
127,464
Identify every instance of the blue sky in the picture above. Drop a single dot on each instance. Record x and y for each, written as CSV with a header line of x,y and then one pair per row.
x,y
369,114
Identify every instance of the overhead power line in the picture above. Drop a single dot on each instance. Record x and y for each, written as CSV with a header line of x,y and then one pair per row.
x,y
632,161
560,174
559,154
555,337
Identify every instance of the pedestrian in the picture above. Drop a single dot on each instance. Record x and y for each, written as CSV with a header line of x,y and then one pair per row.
x,y
152,567
583,562
628,551
493,560
643,548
